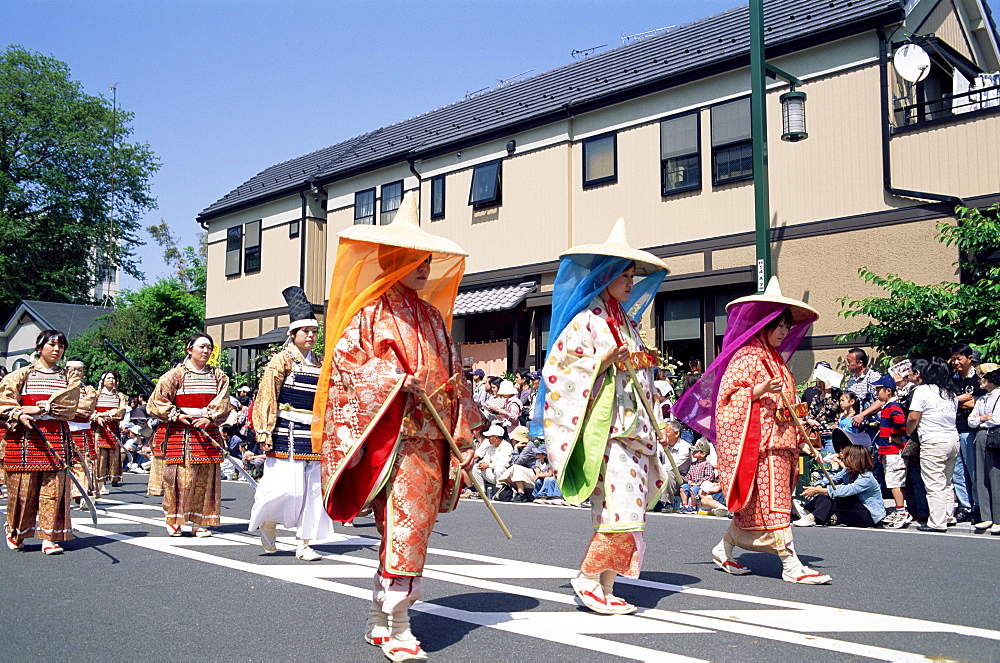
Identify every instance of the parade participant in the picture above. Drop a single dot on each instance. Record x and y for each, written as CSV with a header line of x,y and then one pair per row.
x,y
157,451
39,397
3,440
191,400
81,434
756,438
598,436
392,293
289,494
109,411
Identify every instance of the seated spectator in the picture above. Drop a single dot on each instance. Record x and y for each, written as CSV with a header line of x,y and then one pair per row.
x,y
253,460
700,471
680,449
855,499
493,457
711,500
546,489
891,440
520,476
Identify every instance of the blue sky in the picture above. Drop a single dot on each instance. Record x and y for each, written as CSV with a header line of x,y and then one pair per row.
x,y
222,89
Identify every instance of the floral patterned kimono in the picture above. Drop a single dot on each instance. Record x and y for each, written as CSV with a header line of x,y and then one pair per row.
x,y
758,454
379,445
599,438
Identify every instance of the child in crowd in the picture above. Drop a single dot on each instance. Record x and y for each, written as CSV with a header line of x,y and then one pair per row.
x,y
849,408
891,440
701,470
546,490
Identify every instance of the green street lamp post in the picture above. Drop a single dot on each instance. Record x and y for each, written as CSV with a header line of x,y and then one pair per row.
x,y
793,129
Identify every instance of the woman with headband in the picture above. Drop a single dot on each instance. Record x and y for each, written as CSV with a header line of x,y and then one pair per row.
x,y
109,411
38,400
81,434
192,401
289,494
597,433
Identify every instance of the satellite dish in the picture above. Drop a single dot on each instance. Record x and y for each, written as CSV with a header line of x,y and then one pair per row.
x,y
912,63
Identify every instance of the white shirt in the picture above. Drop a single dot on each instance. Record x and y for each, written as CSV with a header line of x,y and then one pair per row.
x,y
497,456
937,411
986,404
681,451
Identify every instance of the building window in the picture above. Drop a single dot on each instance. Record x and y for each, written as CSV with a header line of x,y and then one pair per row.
x,y
600,160
293,229
251,247
732,149
234,250
364,207
437,197
680,159
392,196
486,187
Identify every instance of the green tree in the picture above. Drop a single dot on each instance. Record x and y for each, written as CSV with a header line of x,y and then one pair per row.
x,y
72,188
150,325
927,319
189,262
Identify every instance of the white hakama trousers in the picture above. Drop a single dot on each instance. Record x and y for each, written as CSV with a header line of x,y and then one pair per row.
x,y
290,494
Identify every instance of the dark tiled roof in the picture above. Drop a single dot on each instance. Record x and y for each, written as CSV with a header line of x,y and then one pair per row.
x,y
70,319
276,335
714,43
502,298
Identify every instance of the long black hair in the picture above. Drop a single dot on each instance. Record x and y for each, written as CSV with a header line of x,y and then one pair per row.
x,y
936,372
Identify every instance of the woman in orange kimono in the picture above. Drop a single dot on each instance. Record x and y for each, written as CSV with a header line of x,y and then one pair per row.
x,y
758,444
388,342
192,401
39,398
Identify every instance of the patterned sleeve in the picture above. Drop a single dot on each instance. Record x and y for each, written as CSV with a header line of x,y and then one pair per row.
x,y
219,408
10,394
88,401
118,414
265,406
161,402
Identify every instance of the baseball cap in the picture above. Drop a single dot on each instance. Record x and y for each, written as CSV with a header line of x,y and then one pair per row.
x,y
885,381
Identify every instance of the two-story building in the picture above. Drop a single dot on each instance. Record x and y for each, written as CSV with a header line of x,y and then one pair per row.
x,y
657,132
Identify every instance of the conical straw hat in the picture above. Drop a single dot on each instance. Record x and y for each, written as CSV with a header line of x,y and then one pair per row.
x,y
404,231
617,246
801,311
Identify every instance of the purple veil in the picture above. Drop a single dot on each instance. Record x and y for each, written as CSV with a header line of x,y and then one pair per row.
x,y
696,407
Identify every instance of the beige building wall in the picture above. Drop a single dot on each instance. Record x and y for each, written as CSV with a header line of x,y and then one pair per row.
x,y
943,23
236,295
958,158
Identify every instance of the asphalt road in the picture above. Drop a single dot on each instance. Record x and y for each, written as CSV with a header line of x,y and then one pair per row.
x,y
126,591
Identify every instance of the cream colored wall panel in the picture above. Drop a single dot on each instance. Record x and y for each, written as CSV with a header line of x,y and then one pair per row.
x,y
231,331
316,258
341,193
958,158
336,221
692,263
251,328
215,331
266,324
279,261
740,256
821,270
283,320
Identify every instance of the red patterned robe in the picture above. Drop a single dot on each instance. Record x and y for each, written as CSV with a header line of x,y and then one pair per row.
x,y
379,445
758,455
111,405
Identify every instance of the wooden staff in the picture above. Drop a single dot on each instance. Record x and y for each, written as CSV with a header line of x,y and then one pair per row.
x,y
451,441
805,434
642,396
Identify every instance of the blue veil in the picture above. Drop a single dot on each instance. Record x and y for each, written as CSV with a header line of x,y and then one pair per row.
x,y
580,278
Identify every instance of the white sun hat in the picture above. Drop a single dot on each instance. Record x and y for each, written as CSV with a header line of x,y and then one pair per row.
x,y
404,231
800,310
617,246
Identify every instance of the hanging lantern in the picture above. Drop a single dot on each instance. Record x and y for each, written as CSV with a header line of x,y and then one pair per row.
x,y
793,116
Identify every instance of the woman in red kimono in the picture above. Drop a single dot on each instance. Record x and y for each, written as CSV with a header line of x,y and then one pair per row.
x,y
39,397
388,342
758,444
192,401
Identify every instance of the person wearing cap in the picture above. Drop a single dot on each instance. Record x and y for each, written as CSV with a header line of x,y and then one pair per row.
x,y
479,386
109,411
392,293
699,471
738,403
41,395
192,401
985,417
824,405
508,414
855,498
290,492
602,445
520,475
81,435
493,458
891,441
